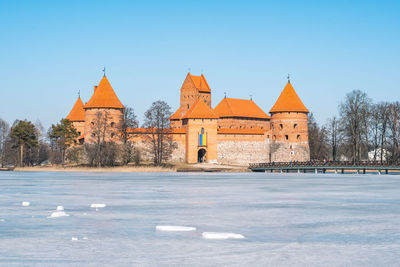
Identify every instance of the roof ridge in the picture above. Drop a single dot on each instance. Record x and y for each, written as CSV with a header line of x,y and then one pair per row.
x,y
229,106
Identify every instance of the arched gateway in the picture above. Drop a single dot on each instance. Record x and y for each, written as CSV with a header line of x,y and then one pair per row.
x,y
201,155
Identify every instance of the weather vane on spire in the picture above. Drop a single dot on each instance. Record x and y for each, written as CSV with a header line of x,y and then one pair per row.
x,y
79,93
251,97
104,71
288,78
225,94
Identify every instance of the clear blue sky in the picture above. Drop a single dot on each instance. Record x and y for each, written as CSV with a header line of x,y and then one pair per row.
x,y
51,49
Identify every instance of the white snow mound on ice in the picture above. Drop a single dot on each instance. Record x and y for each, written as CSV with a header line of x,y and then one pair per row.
x,y
74,239
57,214
174,228
98,206
60,208
26,203
215,235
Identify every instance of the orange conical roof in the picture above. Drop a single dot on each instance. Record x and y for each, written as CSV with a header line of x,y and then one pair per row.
x,y
233,107
288,101
200,110
77,112
104,96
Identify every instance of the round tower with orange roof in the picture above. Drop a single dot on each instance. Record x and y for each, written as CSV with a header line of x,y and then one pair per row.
x,y
104,114
77,117
289,126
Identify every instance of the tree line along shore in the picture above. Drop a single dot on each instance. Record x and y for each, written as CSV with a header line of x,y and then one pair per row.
x,y
362,130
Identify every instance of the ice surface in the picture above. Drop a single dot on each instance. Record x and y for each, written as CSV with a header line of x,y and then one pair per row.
x,y
25,203
98,206
221,235
287,219
174,228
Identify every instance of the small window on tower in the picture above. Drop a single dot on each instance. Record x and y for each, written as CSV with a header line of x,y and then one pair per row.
x,y
112,124
79,133
295,125
112,135
298,137
287,137
274,137
188,106
281,126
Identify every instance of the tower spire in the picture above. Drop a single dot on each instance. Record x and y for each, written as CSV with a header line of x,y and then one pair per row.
x,y
79,93
104,71
288,78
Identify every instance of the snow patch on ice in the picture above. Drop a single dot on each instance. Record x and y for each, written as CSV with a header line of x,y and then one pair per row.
x,y
25,203
216,235
98,205
74,239
60,208
174,228
2,220
57,214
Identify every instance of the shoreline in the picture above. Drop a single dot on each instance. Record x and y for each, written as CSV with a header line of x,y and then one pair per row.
x,y
122,169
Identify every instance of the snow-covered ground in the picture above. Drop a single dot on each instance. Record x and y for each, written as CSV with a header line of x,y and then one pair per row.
x,y
285,219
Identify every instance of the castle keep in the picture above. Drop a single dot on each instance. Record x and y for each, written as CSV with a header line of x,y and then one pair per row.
x,y
236,131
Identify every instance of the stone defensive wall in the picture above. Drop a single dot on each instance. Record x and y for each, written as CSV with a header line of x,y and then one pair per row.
x,y
243,146
234,146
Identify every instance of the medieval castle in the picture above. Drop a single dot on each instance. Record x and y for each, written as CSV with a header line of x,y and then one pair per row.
x,y
236,131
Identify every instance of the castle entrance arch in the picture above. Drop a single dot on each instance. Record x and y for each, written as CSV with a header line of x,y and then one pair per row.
x,y
201,155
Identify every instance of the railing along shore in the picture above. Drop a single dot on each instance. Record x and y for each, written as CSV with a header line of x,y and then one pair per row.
x,y
329,166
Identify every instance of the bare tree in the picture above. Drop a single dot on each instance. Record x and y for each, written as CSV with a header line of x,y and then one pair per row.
x,y
317,139
127,151
333,136
354,116
394,129
4,130
157,123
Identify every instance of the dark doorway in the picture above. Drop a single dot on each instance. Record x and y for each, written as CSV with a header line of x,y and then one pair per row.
x,y
201,155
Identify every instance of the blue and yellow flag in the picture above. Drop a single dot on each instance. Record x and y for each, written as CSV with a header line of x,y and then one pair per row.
x,y
202,139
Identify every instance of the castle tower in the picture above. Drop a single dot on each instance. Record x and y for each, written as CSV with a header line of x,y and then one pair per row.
x,y
103,111
193,88
200,123
77,117
289,125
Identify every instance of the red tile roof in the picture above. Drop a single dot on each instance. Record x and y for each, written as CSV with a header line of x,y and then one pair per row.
x,y
104,96
233,107
147,130
242,131
288,101
200,83
200,110
176,115
77,112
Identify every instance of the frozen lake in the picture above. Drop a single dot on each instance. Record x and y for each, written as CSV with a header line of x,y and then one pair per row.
x,y
286,219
